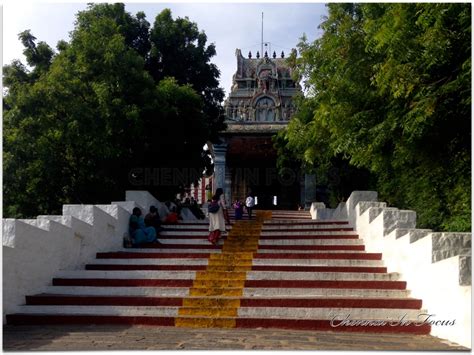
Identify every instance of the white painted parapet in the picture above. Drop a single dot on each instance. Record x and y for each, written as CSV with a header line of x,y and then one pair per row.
x,y
345,210
317,207
436,266
146,199
34,250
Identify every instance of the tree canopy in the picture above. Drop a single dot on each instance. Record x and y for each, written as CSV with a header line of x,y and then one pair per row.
x,y
389,97
103,113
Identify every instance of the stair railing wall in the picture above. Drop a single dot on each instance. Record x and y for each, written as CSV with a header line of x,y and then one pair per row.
x,y
436,266
34,250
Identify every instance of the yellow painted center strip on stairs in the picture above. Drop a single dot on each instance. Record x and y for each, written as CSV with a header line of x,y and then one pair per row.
x,y
214,299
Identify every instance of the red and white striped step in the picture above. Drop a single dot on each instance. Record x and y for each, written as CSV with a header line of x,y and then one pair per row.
x,y
304,275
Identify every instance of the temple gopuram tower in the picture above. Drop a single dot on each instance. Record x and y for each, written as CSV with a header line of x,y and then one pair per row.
x,y
259,104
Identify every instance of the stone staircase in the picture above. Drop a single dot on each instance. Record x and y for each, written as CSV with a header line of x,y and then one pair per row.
x,y
280,270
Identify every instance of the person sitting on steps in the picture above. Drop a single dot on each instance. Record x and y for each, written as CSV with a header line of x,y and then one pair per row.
x,y
139,232
152,219
172,217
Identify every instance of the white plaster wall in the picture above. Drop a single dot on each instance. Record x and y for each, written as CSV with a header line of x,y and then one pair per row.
x,y
409,251
119,214
317,211
28,261
345,210
128,205
437,284
103,235
34,250
145,199
142,198
443,297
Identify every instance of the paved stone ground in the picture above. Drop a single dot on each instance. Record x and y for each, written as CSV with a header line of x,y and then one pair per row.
x,y
107,337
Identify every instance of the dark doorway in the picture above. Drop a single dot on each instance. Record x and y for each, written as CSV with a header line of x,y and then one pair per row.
x,y
252,165
271,190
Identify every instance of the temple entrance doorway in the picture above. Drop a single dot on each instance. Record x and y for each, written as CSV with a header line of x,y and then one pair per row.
x,y
252,166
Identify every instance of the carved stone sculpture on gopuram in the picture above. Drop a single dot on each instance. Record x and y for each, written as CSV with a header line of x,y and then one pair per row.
x,y
259,105
262,92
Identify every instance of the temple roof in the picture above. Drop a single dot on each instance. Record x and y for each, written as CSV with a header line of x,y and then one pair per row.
x,y
251,67
261,97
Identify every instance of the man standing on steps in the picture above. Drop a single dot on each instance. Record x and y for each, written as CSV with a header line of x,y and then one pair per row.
x,y
249,204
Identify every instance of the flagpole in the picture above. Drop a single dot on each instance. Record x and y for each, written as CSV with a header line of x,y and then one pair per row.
x,y
261,53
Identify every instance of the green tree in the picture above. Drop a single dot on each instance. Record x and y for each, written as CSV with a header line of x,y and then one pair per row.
x,y
179,50
37,55
389,86
82,119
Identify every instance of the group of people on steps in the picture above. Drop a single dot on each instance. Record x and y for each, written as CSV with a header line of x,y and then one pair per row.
x,y
144,230
218,214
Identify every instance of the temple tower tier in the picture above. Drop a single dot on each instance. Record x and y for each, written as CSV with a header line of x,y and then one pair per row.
x,y
260,103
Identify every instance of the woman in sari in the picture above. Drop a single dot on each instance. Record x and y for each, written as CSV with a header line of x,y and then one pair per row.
x,y
217,219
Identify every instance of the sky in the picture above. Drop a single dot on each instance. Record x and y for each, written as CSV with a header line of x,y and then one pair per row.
x,y
228,25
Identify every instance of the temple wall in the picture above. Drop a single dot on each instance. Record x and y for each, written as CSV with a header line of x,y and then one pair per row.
x,y
436,266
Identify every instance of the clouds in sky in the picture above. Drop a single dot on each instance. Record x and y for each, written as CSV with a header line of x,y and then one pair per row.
x,y
228,25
